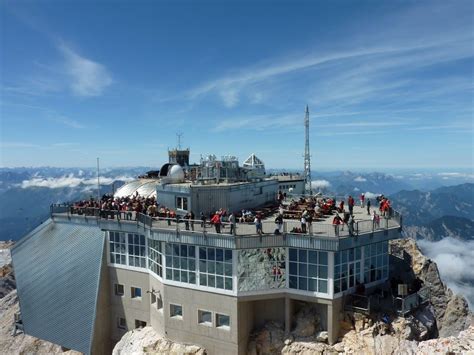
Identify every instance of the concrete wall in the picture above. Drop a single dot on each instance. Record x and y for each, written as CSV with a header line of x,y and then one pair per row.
x,y
102,343
246,324
157,319
187,329
124,306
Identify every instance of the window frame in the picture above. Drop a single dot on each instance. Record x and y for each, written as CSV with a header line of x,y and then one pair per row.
x,y
133,295
224,327
143,325
205,323
119,323
176,316
116,286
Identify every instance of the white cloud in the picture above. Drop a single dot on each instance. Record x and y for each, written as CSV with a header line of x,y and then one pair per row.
x,y
69,181
455,260
88,78
369,194
321,184
360,179
67,122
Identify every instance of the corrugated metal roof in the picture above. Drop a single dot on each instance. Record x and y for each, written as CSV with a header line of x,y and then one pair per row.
x,y
57,269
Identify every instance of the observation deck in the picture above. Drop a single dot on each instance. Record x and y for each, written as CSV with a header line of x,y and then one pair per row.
x,y
321,234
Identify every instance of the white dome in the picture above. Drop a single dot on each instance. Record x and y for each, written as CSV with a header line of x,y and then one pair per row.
x,y
176,173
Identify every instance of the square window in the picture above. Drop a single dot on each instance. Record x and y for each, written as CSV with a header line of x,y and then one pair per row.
x,y
228,283
293,282
303,269
219,282
222,321
312,284
202,253
228,256
313,257
302,283
211,254
323,286
192,278
119,290
140,323
176,311
121,323
302,256
211,281
136,292
202,266
293,269
228,269
323,258
293,255
219,254
312,270
202,279
205,318
323,272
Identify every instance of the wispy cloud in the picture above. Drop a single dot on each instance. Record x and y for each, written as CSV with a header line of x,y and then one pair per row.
x,y
67,122
87,78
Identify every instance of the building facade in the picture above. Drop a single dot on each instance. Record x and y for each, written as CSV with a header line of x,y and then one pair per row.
x,y
190,286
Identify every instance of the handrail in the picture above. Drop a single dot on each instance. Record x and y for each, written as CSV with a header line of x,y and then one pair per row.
x,y
268,227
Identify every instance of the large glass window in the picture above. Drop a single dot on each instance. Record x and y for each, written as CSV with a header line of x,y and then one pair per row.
x,y
215,268
136,250
261,269
347,269
155,257
308,270
181,262
118,249
375,262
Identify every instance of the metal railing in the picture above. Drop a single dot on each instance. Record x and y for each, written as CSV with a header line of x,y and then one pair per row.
x,y
268,227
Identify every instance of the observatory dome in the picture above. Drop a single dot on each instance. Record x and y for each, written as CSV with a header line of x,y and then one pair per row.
x,y
171,173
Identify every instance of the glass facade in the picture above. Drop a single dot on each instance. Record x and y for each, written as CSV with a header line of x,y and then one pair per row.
x,y
155,257
261,269
118,248
347,269
215,268
181,262
375,262
136,250
308,270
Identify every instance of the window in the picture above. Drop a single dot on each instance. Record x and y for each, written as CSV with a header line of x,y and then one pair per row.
x,y
136,250
176,311
181,262
121,323
222,321
140,323
309,270
215,268
155,257
153,298
118,250
182,203
261,269
375,262
205,318
136,292
159,303
347,269
119,290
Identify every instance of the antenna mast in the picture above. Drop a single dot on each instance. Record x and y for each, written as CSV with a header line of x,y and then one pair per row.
x,y
307,156
179,135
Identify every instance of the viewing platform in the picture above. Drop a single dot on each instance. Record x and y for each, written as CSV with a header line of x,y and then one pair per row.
x,y
320,234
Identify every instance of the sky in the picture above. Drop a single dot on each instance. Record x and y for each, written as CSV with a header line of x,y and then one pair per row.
x,y
389,84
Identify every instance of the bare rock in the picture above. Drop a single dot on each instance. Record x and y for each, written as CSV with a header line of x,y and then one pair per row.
x,y
147,341
307,322
268,340
322,336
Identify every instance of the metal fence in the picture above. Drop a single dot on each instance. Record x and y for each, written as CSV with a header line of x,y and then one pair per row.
x,y
268,227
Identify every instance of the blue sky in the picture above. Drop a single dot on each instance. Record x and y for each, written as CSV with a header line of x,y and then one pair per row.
x,y
389,84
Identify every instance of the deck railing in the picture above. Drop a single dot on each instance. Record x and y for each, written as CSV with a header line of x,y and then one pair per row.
x,y
240,229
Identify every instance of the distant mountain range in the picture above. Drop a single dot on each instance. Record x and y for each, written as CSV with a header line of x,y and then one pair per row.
x,y
26,194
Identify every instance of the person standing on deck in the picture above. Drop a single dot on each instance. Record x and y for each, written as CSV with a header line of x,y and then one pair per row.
x,y
232,223
362,200
303,223
258,224
191,217
368,206
350,203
